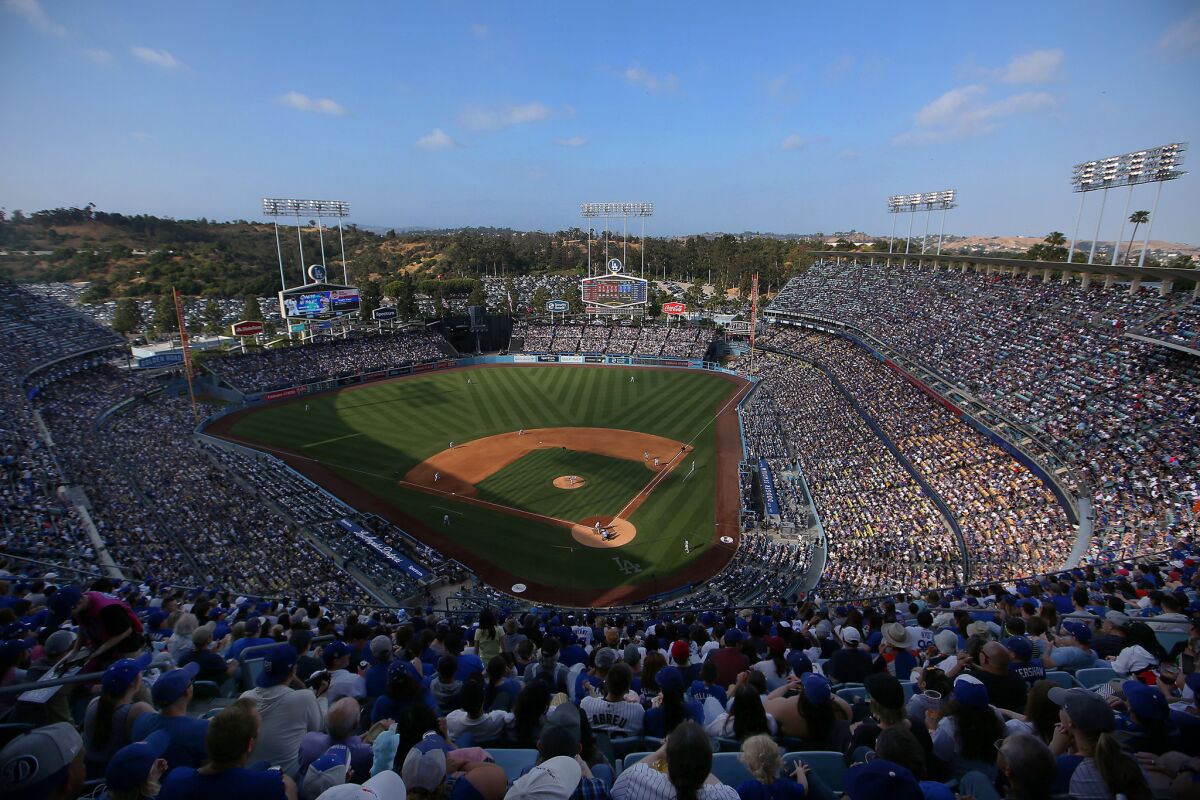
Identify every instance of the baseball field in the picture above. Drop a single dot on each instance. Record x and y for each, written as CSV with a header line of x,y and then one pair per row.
x,y
581,483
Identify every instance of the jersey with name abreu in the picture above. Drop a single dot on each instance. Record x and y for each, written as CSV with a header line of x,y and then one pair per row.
x,y
619,717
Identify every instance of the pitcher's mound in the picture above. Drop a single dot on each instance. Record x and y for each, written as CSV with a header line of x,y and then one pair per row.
x,y
585,533
569,482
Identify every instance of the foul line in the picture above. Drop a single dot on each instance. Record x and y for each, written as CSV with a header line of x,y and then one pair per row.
x,y
334,439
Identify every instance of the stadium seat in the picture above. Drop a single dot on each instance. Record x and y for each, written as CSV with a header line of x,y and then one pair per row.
x,y
828,765
909,687
631,759
627,744
848,693
251,669
726,744
1168,639
1094,676
729,769
514,762
1061,678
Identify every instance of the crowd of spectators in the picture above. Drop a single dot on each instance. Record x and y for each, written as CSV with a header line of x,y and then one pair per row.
x,y
652,339
1011,522
1178,326
871,508
1009,690
1055,356
264,370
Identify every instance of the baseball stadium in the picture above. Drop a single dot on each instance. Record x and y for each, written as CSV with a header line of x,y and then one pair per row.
x,y
470,486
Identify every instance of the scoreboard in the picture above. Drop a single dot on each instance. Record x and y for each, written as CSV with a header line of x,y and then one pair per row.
x,y
318,301
614,291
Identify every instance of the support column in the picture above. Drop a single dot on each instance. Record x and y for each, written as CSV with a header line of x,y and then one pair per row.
x,y
1134,285
1045,276
990,269
1085,279
962,267
1066,276
1109,280
1167,286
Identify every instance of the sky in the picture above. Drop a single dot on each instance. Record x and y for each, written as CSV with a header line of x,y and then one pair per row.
x,y
791,117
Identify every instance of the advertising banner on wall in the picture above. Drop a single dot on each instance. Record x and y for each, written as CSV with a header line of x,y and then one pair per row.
x,y
386,552
570,359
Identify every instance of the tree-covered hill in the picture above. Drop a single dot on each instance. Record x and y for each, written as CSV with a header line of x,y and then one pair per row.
x,y
144,256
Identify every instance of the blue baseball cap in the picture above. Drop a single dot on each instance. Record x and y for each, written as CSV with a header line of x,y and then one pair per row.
x,y
1148,703
63,602
120,675
131,765
277,665
970,691
333,651
733,637
398,668
669,680
172,685
1080,630
816,687
799,662
1020,647
880,778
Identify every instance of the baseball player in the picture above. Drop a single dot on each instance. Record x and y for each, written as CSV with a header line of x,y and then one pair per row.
x,y
437,476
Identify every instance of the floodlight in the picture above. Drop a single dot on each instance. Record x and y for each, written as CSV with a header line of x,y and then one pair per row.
x,y
1128,169
926,201
616,209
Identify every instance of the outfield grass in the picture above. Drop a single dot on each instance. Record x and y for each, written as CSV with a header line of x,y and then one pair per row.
x,y
373,434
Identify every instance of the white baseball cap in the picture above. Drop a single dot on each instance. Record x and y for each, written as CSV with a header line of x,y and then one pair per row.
x,y
553,779
387,785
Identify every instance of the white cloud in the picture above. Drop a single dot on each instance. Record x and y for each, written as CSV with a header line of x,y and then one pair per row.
x,y
651,83
797,142
964,112
142,136
98,56
436,139
159,58
489,119
33,13
572,141
480,31
1036,67
781,89
312,105
1183,35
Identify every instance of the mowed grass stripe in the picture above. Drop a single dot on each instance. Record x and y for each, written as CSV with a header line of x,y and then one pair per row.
x,y
404,422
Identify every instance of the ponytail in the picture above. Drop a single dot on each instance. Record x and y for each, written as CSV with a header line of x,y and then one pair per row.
x,y
106,707
1121,774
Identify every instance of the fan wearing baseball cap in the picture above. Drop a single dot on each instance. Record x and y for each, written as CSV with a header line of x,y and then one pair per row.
x,y
108,722
287,714
672,706
1086,725
135,770
1073,649
231,739
44,764
171,693
968,729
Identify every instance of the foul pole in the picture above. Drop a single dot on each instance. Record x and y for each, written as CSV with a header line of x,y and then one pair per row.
x,y
181,319
753,317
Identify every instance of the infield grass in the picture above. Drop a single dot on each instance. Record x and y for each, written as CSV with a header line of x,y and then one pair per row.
x,y
372,435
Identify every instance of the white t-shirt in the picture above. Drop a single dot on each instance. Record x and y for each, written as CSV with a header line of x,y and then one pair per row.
x,y
489,725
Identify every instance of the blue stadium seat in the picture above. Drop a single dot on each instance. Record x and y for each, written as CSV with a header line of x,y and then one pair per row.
x,y
729,769
910,688
848,693
1094,676
251,669
830,766
1061,678
1168,639
514,762
630,760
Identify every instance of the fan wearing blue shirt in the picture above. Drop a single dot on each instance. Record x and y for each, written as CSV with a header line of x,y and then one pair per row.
x,y
171,693
251,639
231,737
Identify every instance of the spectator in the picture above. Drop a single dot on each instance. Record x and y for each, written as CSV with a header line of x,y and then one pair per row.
x,y
1086,729
342,682
171,693
672,706
616,713
849,664
687,754
284,715
108,722
135,770
429,772
761,756
729,659
745,718
232,737
213,667
44,764
341,725
1005,688
471,718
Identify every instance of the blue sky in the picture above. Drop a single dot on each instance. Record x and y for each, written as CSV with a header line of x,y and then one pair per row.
x,y
789,117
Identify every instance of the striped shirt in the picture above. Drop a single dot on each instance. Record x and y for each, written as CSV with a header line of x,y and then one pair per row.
x,y
621,717
641,782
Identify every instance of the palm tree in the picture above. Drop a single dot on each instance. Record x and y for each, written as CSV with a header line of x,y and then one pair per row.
x,y
1055,239
1137,218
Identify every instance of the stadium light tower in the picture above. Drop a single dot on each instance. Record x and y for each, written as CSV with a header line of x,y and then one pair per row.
x,y
281,207
625,211
927,202
1154,165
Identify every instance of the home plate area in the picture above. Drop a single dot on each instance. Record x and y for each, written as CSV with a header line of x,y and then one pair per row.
x,y
604,531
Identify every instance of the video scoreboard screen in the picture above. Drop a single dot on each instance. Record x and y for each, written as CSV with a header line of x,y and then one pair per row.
x,y
614,291
320,304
